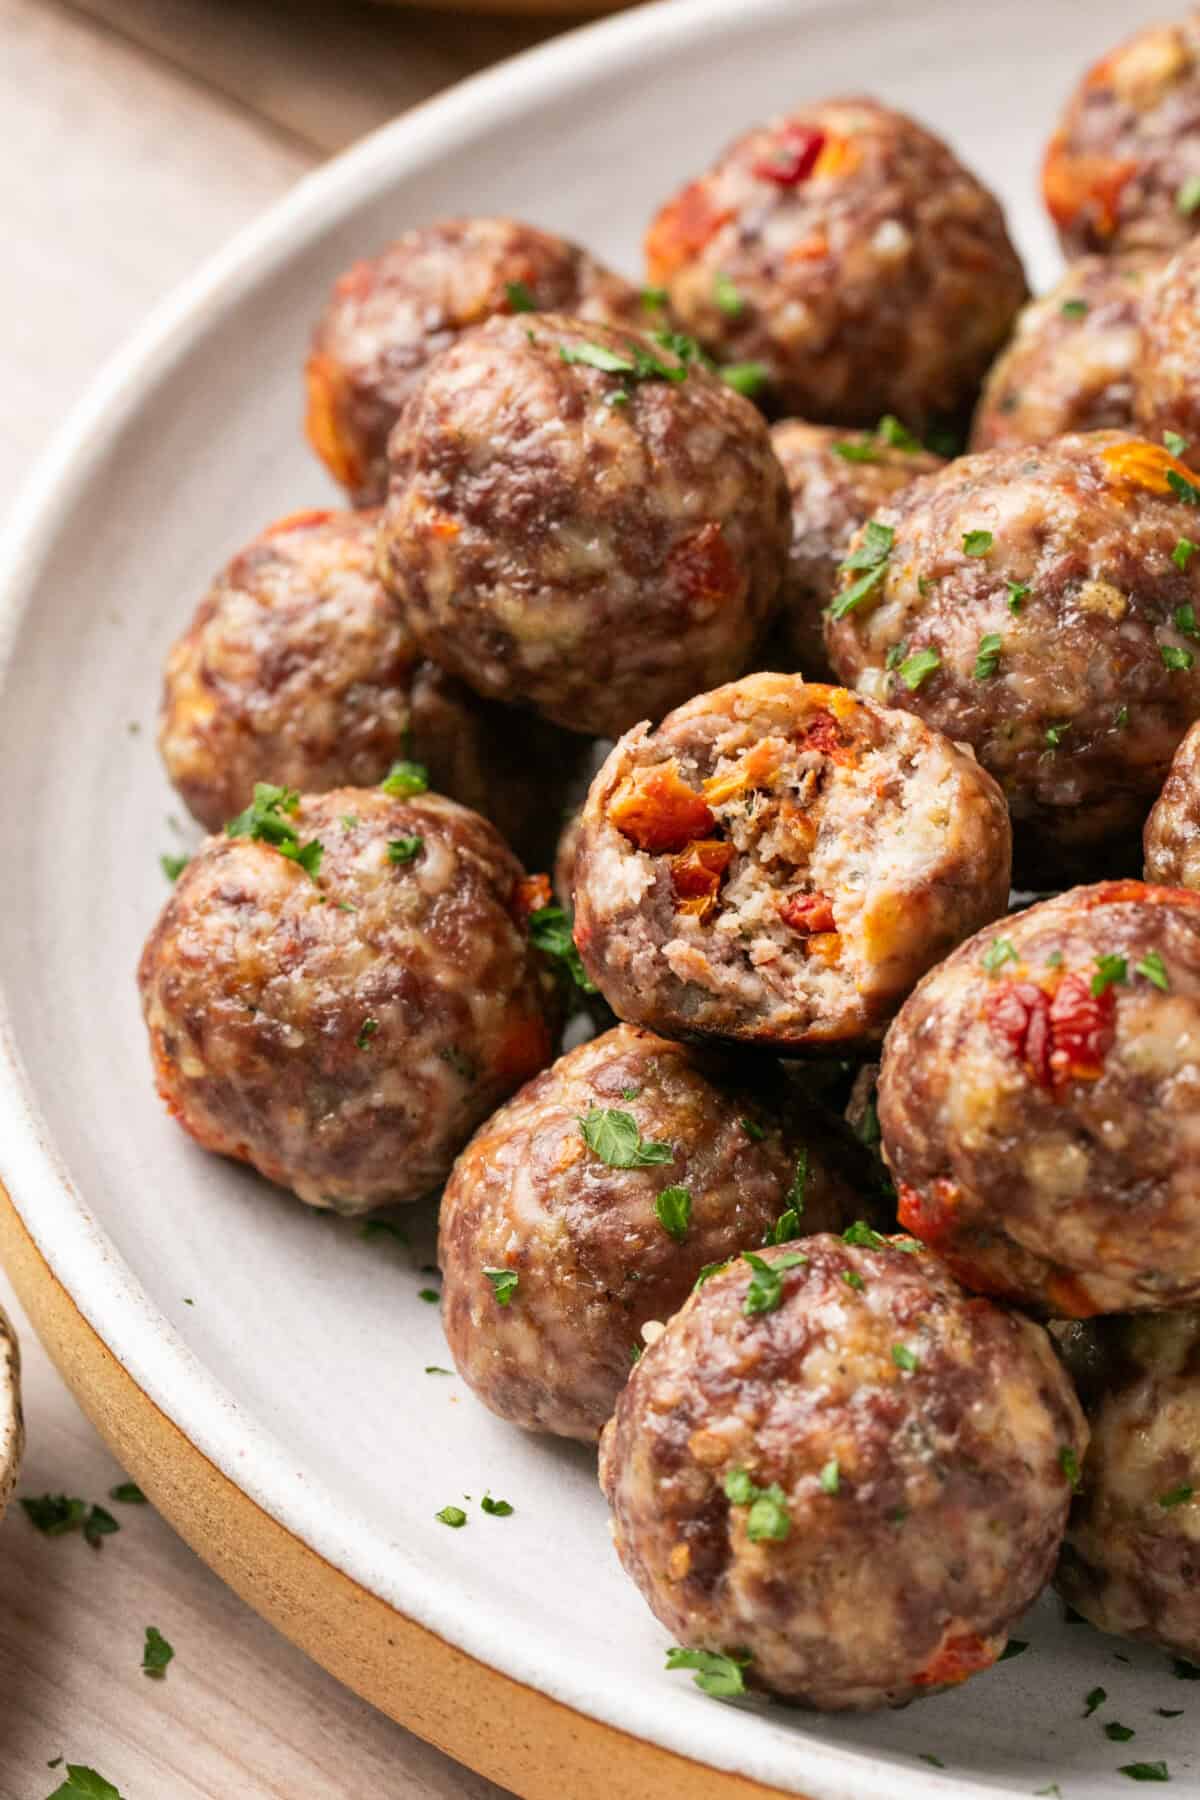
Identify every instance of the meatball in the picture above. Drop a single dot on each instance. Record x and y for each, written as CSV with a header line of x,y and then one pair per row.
x,y
299,669
1122,172
779,862
1129,1563
1172,835
584,520
842,1472
846,250
607,1187
1039,1098
1070,365
1166,395
343,991
837,480
1039,605
389,316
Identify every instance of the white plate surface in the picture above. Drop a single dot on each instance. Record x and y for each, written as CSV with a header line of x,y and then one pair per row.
x,y
298,1366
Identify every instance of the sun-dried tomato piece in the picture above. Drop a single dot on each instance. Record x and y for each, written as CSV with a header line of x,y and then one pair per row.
x,y
325,420
807,913
681,230
758,768
956,1658
1145,465
696,874
821,733
704,568
658,811
531,893
1079,186
1081,1029
525,1047
1018,1013
794,157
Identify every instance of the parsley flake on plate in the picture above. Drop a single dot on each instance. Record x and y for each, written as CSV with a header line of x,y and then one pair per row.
x,y
454,1516
499,1509
614,1137
1145,1771
716,1675
1095,1699
173,866
1117,1733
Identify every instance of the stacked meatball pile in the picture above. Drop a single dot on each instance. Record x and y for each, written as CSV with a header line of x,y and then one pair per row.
x,y
859,1383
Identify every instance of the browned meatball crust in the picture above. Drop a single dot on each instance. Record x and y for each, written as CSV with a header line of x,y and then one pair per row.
x,y
1167,383
837,479
606,1186
1131,1560
846,250
779,862
390,314
1040,1101
345,1030
298,669
1070,365
1172,835
1121,171
843,1471
597,541
1034,604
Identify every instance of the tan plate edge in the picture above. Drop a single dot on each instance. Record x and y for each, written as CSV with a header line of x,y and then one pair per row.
x,y
499,1727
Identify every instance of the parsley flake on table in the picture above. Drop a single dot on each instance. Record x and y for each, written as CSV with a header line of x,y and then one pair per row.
x,y
156,1654
1117,1733
927,1756
1074,309
998,952
1145,1771
98,1524
977,543
128,1493
726,295
614,1137
550,932
766,1282
718,1676
1169,1712
173,866
987,656
673,1208
404,779
504,1284
436,1369
1176,1496
1110,971
429,1295
1096,1698
872,556
404,849
499,1509
53,1514
454,1516
748,378
1183,553
268,819
914,669
519,297
83,1783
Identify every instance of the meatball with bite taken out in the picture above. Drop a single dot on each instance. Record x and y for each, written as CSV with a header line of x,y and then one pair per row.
x,y
342,988
845,255
837,480
841,1476
389,315
590,1205
779,862
299,670
583,520
1039,1100
1122,171
1040,605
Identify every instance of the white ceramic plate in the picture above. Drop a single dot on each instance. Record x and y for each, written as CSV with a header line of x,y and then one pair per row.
x,y
297,1369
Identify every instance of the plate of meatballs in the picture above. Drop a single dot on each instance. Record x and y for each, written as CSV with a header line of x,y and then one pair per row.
x,y
608,708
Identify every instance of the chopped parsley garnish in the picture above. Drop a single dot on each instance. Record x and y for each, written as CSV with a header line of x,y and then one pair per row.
x,y
404,849
1182,488
914,669
794,1198
429,1295
748,378
1018,593
366,1032
1051,1791
1074,309
905,1359
56,1515
872,556
1169,1712
853,1279
504,1284
1174,658
404,779
987,657
1117,1733
1185,620
830,1476
83,1783
861,452
268,818
726,295
1154,969
128,1493
499,1509
156,1654
1176,1496
766,1282
519,297
768,1518
1183,553
977,543
437,1369
708,1271
173,866
861,1234
1068,1462
786,1227
1187,198
1146,1771
1096,1698
654,298
98,1524
998,952
614,1137
896,654
1056,733
1109,971
927,1756
1121,718
896,435
636,1352
454,1516
1174,443
550,932
1183,1670
595,356
630,1093
716,1675
383,1228
674,1210
752,1130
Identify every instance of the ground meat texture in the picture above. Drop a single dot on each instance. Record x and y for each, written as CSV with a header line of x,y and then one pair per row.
x,y
389,315
844,1470
847,251
346,1033
1167,383
1121,171
299,669
1039,1103
1172,835
1131,1560
599,542
837,480
1033,603
780,862
1070,365
602,1249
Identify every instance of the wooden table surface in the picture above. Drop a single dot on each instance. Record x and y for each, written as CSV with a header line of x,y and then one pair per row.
x,y
139,135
